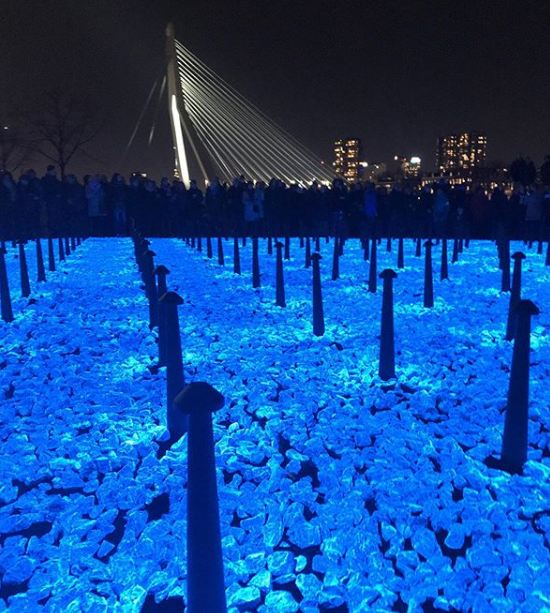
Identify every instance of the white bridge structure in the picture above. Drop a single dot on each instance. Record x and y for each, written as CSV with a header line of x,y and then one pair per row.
x,y
225,134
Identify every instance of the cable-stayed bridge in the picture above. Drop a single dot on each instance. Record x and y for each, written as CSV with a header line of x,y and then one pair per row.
x,y
224,133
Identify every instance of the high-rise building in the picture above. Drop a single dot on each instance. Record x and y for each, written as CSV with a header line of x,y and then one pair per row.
x,y
347,152
408,167
463,151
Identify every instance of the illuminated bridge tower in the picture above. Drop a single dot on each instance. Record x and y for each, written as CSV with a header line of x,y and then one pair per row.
x,y
216,127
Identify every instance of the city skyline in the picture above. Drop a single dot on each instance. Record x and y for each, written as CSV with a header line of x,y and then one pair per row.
x,y
311,68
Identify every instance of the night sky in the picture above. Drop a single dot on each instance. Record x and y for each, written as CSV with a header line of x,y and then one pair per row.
x,y
395,73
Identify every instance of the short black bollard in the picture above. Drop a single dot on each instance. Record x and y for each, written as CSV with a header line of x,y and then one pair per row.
x,y
51,255
287,248
61,249
539,248
515,295
514,439
547,260
301,242
24,271
67,246
336,260
400,254
221,260
341,242
279,277
428,276
505,263
41,272
255,263
388,244
174,365
151,287
444,272
192,242
161,272
270,246
318,244
373,265
243,242
318,314
418,251
366,250
236,257
205,578
454,257
386,366
308,253
5,298
461,245
209,247
199,244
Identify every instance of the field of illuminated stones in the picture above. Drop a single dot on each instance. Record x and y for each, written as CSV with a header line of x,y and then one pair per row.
x,y
338,491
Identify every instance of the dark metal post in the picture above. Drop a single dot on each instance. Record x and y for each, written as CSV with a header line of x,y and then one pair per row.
x,y
514,440
174,365
444,272
547,260
61,249
67,246
386,367
287,248
308,253
279,277
335,260
151,287
41,272
418,251
236,257
221,260
388,244
400,254
428,276
505,262
161,272
209,247
270,246
205,577
255,263
24,271
318,314
373,264
515,295
5,298
454,257
51,255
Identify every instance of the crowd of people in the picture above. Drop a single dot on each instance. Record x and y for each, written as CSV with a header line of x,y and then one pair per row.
x,y
40,206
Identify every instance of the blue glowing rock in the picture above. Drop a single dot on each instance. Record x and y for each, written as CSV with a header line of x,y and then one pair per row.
x,y
261,580
280,602
19,570
255,562
455,538
133,597
273,531
304,534
309,587
245,598
281,563
301,562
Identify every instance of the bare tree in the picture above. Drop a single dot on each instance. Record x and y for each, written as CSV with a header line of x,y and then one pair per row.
x,y
62,128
